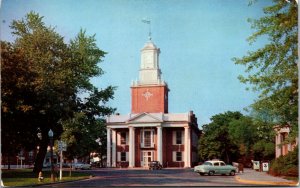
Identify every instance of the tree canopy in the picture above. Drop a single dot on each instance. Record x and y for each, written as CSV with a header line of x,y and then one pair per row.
x,y
273,69
215,141
231,136
43,80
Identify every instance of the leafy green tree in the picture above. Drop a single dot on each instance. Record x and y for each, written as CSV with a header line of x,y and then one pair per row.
x,y
58,74
215,141
272,70
243,133
81,135
17,81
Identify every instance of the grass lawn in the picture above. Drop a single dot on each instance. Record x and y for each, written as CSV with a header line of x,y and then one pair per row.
x,y
25,177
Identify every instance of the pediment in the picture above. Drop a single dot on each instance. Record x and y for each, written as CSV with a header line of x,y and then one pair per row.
x,y
146,117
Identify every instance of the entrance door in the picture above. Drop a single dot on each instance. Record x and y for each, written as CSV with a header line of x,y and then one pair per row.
x,y
147,156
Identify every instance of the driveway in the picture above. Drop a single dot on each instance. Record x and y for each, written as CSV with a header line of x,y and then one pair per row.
x,y
143,177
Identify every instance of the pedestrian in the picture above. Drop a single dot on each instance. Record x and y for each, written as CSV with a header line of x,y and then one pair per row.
x,y
40,178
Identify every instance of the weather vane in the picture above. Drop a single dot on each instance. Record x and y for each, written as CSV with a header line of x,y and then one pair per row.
x,y
147,21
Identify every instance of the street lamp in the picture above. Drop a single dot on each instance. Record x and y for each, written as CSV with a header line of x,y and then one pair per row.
x,y
98,140
40,137
50,134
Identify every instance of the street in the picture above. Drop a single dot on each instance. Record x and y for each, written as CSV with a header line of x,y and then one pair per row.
x,y
143,177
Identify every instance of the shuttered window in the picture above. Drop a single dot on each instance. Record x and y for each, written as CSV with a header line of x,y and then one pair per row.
x,y
123,138
123,156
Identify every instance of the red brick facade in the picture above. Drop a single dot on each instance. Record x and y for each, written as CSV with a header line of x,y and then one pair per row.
x,y
152,99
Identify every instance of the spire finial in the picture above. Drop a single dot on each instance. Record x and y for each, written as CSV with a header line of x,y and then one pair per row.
x,y
147,21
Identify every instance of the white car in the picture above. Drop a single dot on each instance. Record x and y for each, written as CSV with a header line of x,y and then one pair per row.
x,y
80,165
215,167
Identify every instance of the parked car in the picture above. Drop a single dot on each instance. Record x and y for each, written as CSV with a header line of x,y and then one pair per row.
x,y
215,167
46,165
80,165
64,165
155,165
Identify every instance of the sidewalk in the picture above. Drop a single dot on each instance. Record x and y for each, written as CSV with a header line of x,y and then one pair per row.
x,y
262,178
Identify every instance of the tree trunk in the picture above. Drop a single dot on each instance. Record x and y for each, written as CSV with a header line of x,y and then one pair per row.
x,y
8,162
39,160
227,157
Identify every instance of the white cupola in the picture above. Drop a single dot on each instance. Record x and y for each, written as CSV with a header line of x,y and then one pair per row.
x,y
149,70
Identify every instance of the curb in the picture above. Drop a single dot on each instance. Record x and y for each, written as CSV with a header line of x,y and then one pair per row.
x,y
239,179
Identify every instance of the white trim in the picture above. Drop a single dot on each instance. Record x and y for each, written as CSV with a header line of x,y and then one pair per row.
x,y
146,124
127,137
131,147
174,156
108,152
140,124
118,156
114,148
127,156
117,126
118,138
159,145
174,137
187,151
167,125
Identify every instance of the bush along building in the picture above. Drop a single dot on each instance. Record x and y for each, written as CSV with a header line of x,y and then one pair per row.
x,y
150,132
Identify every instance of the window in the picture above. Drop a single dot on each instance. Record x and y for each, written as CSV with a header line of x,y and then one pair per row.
x,y
178,137
216,164
147,138
178,156
207,163
123,138
223,164
123,156
30,155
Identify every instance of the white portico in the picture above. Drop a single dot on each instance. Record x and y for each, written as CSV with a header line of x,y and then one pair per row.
x,y
144,135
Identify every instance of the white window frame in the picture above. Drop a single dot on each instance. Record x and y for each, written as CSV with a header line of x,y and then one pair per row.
x,y
175,156
175,137
119,156
151,138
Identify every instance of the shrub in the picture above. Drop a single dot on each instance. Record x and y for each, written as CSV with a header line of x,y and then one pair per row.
x,y
286,165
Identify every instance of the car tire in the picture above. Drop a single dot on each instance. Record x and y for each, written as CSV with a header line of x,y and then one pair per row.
x,y
201,174
211,173
232,173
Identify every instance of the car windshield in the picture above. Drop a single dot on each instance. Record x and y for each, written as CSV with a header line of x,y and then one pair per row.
x,y
207,163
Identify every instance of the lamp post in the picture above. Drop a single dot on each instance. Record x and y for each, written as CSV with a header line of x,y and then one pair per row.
x,y
40,137
50,134
98,140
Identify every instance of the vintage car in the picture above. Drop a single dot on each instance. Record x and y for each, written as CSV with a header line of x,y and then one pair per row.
x,y
215,167
80,165
155,165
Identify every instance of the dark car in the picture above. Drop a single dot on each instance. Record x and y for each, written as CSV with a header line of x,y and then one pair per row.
x,y
155,165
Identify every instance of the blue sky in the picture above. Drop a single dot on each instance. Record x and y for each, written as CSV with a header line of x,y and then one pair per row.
x,y
197,38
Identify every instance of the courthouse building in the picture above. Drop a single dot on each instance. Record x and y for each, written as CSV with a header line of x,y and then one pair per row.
x,y
149,132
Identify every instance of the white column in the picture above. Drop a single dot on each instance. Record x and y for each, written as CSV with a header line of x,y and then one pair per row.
x,y
131,147
114,148
108,151
187,151
159,145
277,151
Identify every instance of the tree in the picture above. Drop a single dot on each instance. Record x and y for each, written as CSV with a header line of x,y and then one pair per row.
x,y
81,135
242,132
58,73
17,81
215,141
272,69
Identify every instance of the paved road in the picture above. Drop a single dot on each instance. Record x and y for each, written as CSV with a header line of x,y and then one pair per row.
x,y
141,177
